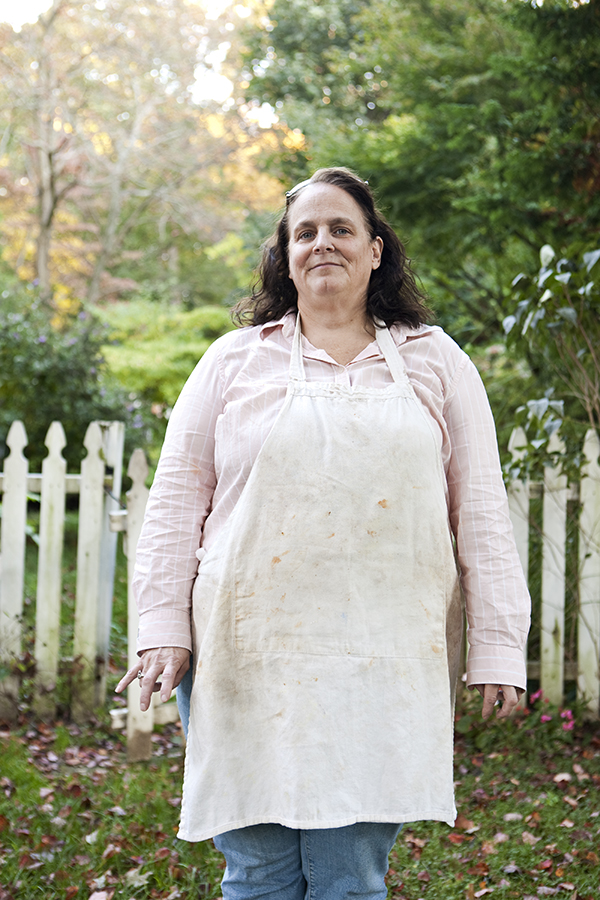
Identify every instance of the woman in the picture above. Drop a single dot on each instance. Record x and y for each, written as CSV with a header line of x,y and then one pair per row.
x,y
323,465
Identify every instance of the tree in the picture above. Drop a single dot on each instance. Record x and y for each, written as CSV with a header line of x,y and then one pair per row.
x,y
107,150
476,123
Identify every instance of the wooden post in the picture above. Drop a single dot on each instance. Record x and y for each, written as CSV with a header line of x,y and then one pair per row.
x,y
553,579
518,506
47,622
12,566
88,570
139,724
113,441
588,654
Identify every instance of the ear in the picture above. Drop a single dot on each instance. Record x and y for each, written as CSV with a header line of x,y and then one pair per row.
x,y
377,250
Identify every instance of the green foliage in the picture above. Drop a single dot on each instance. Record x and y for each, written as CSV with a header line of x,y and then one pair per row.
x,y
476,124
153,349
555,323
52,370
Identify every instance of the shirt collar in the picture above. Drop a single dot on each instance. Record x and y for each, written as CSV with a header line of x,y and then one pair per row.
x,y
287,324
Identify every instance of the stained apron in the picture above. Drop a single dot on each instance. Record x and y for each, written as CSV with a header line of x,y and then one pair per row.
x,y
327,622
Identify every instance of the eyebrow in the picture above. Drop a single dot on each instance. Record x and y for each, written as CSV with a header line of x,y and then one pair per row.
x,y
309,223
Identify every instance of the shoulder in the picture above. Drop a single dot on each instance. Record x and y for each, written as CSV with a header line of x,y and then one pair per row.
x,y
431,347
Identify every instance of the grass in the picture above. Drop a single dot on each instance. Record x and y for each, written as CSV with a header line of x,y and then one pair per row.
x,y
76,821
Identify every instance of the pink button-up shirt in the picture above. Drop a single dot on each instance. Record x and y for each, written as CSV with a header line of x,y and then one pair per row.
x,y
219,424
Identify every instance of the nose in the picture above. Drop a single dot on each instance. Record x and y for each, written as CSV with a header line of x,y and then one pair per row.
x,y
323,240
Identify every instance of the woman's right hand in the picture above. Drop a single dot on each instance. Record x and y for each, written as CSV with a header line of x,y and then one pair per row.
x,y
169,662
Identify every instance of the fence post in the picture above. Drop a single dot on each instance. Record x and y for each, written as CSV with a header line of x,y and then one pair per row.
x,y
518,506
88,570
12,564
588,651
553,578
139,724
113,441
49,583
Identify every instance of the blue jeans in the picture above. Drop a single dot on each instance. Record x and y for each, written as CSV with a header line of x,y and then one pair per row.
x,y
279,863
272,862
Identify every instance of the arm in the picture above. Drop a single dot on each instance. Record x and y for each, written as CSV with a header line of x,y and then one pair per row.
x,y
166,562
496,594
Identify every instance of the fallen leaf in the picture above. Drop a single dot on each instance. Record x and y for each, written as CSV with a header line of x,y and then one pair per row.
x,y
529,838
456,838
424,876
512,817
488,848
117,811
582,775
567,886
162,853
501,838
136,878
91,838
592,857
571,801
511,869
463,823
562,776
545,864
545,891
566,823
71,891
484,891
46,792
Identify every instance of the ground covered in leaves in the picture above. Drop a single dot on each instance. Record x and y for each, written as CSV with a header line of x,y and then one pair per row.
x,y
78,823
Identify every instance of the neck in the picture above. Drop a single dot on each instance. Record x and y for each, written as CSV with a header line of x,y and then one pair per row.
x,y
343,333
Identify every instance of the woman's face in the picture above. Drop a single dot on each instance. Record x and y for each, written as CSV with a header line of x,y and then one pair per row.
x,y
331,254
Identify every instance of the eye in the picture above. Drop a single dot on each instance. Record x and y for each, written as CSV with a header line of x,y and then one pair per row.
x,y
305,235
342,230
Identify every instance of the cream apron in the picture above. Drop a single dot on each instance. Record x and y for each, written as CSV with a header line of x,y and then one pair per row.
x,y
327,622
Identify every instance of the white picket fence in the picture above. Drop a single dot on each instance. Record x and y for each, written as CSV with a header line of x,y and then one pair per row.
x,y
96,555
550,669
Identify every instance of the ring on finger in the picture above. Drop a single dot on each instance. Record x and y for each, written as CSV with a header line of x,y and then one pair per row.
x,y
140,675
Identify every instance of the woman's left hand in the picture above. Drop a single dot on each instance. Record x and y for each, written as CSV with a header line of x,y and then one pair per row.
x,y
506,693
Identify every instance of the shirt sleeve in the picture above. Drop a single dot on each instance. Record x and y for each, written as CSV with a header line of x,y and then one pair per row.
x,y
497,599
179,502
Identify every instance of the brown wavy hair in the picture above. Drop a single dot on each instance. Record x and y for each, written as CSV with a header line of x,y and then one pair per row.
x,y
393,294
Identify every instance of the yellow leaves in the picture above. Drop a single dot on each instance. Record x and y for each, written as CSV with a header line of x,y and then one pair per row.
x,y
102,143
215,125
65,304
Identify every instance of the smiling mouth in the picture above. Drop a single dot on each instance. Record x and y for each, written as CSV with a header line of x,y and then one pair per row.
x,y
324,264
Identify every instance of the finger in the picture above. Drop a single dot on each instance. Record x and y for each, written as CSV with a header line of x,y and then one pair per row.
x,y
126,680
509,702
490,695
174,672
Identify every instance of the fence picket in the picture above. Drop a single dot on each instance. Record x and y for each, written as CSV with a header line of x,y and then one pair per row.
x,y
12,564
49,582
113,441
88,571
588,651
139,724
553,578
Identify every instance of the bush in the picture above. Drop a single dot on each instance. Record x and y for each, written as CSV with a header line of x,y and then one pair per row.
x,y
52,369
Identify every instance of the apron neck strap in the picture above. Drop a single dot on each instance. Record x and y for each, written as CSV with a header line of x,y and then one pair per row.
x,y
384,340
390,352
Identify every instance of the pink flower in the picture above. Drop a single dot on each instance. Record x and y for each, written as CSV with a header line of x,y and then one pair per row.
x,y
567,714
568,726
546,718
535,696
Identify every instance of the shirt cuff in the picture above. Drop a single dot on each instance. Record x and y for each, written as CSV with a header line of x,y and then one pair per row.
x,y
492,664
165,628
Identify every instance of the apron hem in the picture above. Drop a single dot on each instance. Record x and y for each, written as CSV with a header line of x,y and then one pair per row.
x,y
449,817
